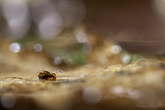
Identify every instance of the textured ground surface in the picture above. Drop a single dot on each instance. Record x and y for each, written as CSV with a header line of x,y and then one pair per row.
x,y
115,85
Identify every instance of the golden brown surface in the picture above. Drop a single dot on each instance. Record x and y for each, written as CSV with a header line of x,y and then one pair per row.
x,y
103,83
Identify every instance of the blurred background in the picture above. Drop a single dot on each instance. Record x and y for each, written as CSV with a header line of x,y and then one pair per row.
x,y
138,25
68,30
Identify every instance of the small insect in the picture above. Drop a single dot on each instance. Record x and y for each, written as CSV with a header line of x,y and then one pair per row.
x,y
46,75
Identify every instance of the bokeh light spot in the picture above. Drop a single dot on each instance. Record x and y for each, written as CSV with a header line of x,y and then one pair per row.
x,y
57,60
117,90
38,47
92,95
50,26
115,49
8,100
81,37
16,14
126,58
15,47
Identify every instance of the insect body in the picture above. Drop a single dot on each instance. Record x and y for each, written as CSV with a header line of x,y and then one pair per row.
x,y
46,75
